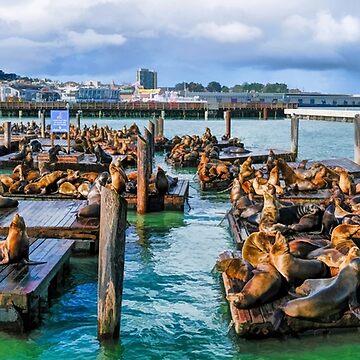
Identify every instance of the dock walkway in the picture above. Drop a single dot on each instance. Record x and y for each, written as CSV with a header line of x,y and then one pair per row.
x,y
51,218
25,290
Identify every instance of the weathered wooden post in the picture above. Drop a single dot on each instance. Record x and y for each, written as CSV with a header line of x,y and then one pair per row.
x,y
163,114
161,127
148,139
142,176
294,135
152,143
43,126
228,124
357,139
265,113
156,127
206,115
78,119
111,263
20,114
7,135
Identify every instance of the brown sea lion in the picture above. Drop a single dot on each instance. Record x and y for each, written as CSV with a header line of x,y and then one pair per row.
x,y
67,188
344,237
346,182
303,247
330,299
309,286
118,178
94,197
293,269
16,246
90,176
262,287
234,266
40,186
269,221
256,248
84,188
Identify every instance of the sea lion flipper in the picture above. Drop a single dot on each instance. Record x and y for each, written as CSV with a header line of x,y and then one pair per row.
x,y
354,306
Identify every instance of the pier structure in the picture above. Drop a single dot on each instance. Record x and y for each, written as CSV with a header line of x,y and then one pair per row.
x,y
137,109
323,114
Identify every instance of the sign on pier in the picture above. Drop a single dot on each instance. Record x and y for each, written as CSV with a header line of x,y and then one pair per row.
x,y
59,121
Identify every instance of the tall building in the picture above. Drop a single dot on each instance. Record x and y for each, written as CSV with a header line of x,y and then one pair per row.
x,y
147,78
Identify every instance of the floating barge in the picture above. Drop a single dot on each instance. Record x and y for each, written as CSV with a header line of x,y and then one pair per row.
x,y
26,290
258,322
51,218
174,200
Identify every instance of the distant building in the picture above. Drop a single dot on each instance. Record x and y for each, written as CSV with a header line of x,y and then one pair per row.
x,y
147,78
8,92
214,99
97,94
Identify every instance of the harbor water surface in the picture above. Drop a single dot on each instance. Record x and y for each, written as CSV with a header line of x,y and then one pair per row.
x,y
173,304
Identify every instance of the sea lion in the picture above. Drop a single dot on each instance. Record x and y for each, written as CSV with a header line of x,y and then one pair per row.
x,y
294,270
330,299
309,286
161,182
302,247
6,202
41,186
344,237
90,176
256,248
262,287
36,145
269,221
346,182
67,188
94,197
54,152
21,154
16,244
234,266
118,178
84,188
101,156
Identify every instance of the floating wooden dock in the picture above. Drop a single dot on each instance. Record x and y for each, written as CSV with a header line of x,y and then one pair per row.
x,y
257,155
174,200
26,290
258,322
323,114
51,218
86,163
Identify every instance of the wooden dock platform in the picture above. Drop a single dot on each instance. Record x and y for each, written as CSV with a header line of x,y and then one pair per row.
x,y
257,155
25,291
258,322
51,218
86,163
174,201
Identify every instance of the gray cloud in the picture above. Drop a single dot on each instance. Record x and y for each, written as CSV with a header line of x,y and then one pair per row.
x,y
201,41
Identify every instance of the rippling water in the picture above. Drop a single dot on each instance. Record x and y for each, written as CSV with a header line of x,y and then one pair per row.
x,y
173,305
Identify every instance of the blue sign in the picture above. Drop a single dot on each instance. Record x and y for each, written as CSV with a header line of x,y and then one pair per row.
x,y
59,121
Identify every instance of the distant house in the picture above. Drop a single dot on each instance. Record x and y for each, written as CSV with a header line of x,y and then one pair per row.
x,y
99,94
7,92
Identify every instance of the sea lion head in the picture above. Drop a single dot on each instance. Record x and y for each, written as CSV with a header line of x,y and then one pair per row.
x,y
355,265
103,178
18,222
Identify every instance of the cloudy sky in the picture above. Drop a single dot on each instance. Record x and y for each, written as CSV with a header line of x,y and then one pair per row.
x,y
313,45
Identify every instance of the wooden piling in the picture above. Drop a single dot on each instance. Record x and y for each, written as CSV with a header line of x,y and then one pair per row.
x,y
43,126
78,119
161,127
228,124
156,127
295,135
111,263
142,198
357,139
148,139
206,115
265,113
151,127
7,135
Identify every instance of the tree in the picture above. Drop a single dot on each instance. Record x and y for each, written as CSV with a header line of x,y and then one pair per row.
x,y
225,89
180,86
213,86
195,87
237,88
276,88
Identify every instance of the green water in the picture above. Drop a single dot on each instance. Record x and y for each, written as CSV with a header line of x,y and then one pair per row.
x,y
173,305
